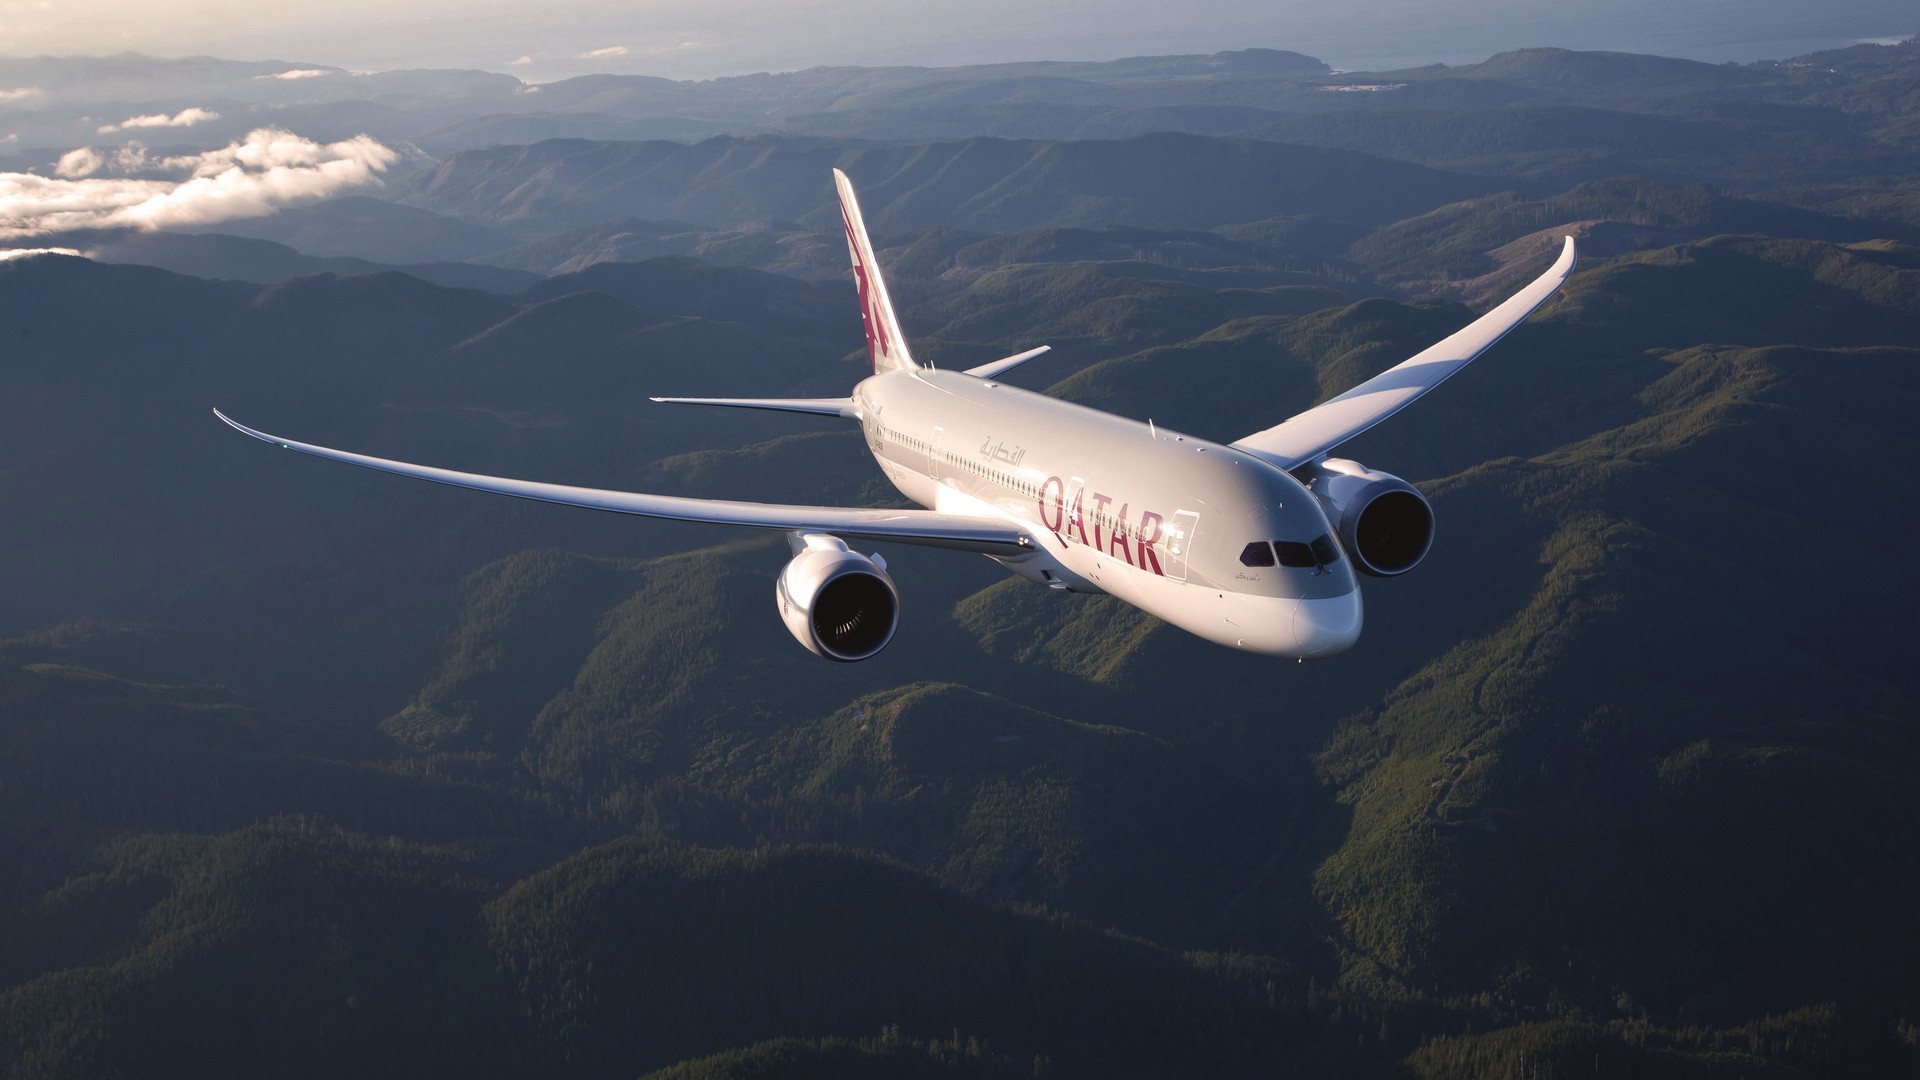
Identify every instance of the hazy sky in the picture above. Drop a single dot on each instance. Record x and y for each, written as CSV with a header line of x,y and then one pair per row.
x,y
701,38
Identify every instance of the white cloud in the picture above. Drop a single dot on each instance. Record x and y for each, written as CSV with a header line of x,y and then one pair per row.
x,y
184,118
603,54
75,164
10,254
255,176
297,73
521,62
19,93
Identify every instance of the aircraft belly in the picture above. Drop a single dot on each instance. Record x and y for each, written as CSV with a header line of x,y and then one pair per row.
x,y
1158,596
917,486
1252,623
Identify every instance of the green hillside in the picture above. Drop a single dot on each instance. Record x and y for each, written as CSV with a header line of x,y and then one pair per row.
x,y
1432,830
993,184
310,771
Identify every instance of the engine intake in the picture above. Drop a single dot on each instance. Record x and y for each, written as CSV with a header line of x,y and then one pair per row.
x,y
1385,524
838,603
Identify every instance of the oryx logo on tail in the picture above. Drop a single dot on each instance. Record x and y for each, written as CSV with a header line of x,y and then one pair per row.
x,y
885,343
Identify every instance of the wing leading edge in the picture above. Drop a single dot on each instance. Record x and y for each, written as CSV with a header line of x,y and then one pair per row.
x,y
927,528
1334,421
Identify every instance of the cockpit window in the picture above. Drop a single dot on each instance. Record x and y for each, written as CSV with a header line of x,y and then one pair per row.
x,y
1295,554
1325,551
1258,553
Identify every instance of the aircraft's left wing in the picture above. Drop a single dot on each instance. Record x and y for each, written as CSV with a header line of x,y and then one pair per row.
x,y
1334,421
927,528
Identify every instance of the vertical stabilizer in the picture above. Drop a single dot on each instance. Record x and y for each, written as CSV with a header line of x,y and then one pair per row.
x,y
885,343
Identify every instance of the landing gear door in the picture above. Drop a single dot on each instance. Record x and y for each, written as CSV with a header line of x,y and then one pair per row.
x,y
1181,529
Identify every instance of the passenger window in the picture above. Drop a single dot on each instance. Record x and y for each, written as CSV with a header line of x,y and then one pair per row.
x,y
1258,553
1326,551
1295,554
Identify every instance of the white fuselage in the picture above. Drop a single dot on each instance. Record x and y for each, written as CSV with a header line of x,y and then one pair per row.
x,y
1159,519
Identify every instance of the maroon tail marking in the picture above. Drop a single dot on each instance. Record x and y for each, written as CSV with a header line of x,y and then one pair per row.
x,y
877,344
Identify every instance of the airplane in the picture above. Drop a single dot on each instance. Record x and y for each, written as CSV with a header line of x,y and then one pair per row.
x,y
1256,544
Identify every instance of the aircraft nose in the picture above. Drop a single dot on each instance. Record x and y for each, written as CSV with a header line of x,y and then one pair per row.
x,y
1327,625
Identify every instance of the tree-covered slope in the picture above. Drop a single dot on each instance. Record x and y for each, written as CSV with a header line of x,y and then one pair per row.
x,y
309,770
995,184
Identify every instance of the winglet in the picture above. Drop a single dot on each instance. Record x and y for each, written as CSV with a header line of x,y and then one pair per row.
x,y
245,430
885,343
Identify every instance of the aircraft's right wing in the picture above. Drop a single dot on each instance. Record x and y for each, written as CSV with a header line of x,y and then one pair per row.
x,y
927,528
838,406
1334,421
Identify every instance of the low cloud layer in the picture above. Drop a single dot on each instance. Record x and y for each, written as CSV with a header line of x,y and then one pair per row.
x,y
297,73
19,93
183,118
606,53
10,254
253,177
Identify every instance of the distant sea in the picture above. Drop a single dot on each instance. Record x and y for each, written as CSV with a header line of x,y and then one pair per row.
x,y
1360,35
1714,31
1365,35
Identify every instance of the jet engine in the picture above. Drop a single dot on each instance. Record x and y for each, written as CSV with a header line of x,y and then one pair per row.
x,y
837,602
1384,523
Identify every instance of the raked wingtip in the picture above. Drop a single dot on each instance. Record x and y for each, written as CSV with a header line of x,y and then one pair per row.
x,y
245,430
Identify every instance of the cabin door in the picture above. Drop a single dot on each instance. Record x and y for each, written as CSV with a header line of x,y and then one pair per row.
x,y
1180,532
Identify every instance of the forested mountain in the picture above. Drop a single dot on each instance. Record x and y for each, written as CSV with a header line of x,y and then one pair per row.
x,y
264,262
991,184
310,771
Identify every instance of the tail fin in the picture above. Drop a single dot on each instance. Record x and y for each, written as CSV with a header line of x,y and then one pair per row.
x,y
885,342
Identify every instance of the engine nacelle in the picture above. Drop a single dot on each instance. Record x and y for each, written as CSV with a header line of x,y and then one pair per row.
x,y
838,603
1384,523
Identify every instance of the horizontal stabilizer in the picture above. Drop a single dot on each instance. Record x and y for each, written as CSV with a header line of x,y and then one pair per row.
x,y
988,371
836,406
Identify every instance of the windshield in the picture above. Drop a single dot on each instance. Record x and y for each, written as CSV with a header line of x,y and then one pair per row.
x,y
1320,552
